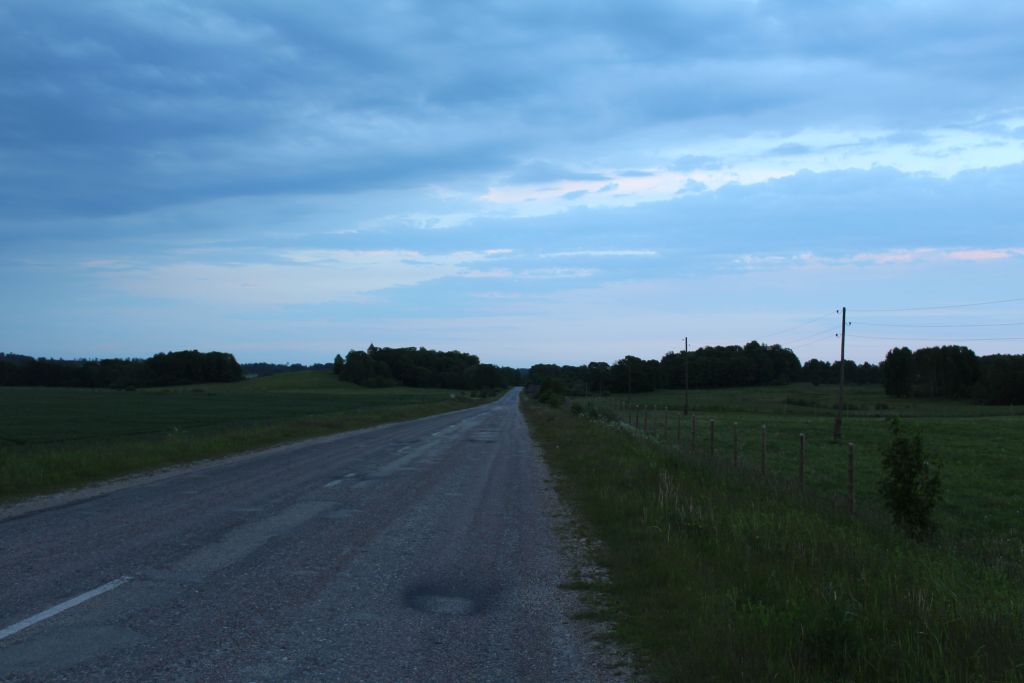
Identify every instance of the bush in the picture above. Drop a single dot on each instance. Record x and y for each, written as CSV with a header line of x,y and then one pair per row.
x,y
911,486
552,392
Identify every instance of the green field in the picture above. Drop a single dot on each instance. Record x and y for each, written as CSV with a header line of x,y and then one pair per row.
x,y
981,450
717,573
51,438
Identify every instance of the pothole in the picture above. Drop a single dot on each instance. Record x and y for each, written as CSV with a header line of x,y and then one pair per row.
x,y
445,598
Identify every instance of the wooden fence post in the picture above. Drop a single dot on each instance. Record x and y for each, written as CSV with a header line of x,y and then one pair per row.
x,y
802,440
693,434
764,449
849,480
735,445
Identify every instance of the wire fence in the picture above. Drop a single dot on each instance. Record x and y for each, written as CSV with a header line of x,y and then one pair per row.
x,y
779,460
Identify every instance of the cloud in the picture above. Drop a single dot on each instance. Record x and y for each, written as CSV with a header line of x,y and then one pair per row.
x,y
296,277
176,155
984,254
789,149
107,264
692,186
557,273
887,257
690,162
933,254
540,172
894,256
121,107
601,253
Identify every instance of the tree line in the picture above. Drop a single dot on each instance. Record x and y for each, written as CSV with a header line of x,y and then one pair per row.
x,y
708,367
267,369
163,369
954,372
420,367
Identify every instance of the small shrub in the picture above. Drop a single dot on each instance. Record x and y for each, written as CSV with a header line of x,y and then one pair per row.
x,y
576,408
911,486
553,399
552,392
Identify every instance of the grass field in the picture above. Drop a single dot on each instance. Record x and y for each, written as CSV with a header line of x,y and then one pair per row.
x,y
980,448
52,438
715,573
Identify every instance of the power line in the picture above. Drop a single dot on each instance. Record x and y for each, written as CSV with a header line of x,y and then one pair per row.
x,y
936,308
796,327
965,325
821,336
965,339
829,332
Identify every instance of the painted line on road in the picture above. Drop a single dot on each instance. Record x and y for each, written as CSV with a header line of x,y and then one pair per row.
x,y
332,484
66,605
350,474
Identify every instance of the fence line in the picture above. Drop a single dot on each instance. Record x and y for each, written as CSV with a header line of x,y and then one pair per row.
x,y
639,417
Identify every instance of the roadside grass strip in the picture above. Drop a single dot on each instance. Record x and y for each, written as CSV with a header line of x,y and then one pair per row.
x,y
714,576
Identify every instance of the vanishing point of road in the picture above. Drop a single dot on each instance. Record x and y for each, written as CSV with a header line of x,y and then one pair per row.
x,y
420,551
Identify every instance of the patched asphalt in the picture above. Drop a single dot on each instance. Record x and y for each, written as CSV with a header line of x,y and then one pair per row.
x,y
421,551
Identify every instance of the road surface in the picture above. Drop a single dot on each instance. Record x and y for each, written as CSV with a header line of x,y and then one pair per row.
x,y
421,551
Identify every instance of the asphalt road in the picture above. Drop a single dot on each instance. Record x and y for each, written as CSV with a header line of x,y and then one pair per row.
x,y
420,551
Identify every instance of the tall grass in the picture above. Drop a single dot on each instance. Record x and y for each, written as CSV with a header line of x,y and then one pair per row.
x,y
713,576
980,448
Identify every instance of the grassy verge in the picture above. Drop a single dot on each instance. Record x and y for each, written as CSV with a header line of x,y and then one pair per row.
x,y
713,576
51,439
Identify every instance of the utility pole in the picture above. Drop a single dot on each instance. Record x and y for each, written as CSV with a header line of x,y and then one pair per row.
x,y
837,432
686,375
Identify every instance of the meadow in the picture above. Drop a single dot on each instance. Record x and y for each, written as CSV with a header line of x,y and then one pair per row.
x,y
980,450
53,438
715,572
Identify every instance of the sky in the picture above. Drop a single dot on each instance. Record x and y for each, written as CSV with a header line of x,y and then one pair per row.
x,y
526,181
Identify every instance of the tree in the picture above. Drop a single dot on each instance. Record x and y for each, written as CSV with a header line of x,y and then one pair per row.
x,y
898,371
598,377
630,375
1001,380
358,367
420,367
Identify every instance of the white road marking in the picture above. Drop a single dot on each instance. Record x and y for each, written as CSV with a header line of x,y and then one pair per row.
x,y
332,484
350,474
66,605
